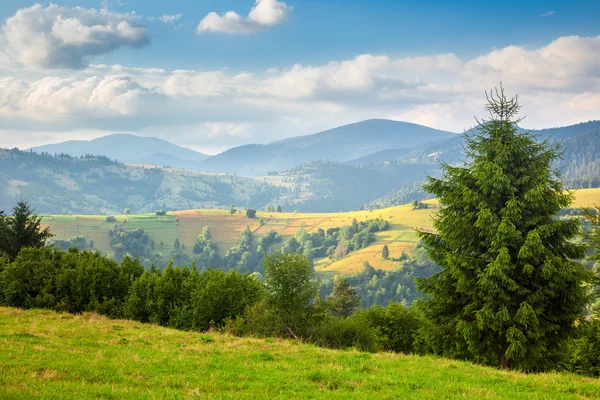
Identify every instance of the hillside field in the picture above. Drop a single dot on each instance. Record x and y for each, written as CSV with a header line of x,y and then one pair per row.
x,y
44,354
226,228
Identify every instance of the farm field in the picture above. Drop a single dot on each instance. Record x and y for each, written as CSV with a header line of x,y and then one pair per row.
x,y
226,228
44,354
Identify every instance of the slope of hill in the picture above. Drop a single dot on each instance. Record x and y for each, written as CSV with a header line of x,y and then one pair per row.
x,y
185,226
97,185
344,143
44,354
129,149
327,186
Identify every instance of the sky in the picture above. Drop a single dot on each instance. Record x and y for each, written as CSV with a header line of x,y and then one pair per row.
x,y
215,74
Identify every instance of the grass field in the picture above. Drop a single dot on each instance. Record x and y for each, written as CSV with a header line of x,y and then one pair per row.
x,y
186,225
44,354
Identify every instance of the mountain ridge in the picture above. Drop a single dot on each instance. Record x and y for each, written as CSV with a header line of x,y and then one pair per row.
x,y
126,148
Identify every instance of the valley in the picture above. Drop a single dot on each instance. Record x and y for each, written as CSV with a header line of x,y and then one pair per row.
x,y
186,225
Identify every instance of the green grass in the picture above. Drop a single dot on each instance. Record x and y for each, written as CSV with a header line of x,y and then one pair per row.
x,y
44,354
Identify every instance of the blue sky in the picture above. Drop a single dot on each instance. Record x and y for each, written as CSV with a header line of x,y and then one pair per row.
x,y
314,65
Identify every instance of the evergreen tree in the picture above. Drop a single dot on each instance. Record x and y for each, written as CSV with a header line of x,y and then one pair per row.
x,y
21,229
385,253
279,209
343,301
177,245
510,289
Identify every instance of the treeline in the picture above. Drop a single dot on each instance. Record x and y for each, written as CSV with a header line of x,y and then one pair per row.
x,y
285,305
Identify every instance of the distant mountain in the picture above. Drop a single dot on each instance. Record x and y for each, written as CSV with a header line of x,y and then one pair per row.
x,y
340,144
129,149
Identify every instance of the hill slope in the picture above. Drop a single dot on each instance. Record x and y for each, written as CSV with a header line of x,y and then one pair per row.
x,y
344,143
129,149
226,229
97,185
44,354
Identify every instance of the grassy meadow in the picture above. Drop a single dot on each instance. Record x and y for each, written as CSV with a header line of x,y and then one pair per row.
x,y
226,228
44,354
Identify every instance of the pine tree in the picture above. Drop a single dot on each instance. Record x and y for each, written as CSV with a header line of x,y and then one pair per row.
x,y
21,229
343,301
385,252
510,288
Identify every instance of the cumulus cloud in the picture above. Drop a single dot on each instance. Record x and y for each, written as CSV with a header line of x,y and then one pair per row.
x,y
559,84
59,37
264,14
50,97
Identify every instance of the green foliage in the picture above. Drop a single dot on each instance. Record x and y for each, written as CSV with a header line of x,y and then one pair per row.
x,y
509,288
345,333
380,287
251,213
73,281
385,252
583,351
127,211
291,289
344,300
396,326
20,230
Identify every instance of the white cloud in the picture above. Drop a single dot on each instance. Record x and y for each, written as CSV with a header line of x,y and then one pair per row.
x,y
264,14
52,97
166,18
559,85
59,37
170,19
548,13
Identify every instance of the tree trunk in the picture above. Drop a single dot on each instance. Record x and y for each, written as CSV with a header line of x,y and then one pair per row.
x,y
505,363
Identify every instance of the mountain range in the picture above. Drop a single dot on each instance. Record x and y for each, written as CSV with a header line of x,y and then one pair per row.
x,y
368,164
340,144
129,149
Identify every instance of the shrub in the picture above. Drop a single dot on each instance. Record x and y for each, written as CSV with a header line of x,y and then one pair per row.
x,y
396,326
343,333
583,351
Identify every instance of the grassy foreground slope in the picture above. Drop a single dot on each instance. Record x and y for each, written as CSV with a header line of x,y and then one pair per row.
x,y
226,228
44,354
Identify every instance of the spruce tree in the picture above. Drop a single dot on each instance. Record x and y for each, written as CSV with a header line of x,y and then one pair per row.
x,y
510,289
343,301
385,253
21,229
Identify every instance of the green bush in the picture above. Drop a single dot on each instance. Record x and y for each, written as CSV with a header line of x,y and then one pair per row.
x,y
343,333
397,327
583,352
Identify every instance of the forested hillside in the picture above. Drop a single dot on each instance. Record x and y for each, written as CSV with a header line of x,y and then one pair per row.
x,y
61,184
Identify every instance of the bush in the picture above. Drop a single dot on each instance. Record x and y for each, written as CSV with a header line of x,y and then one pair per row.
x,y
250,213
222,295
396,326
583,352
73,281
343,333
